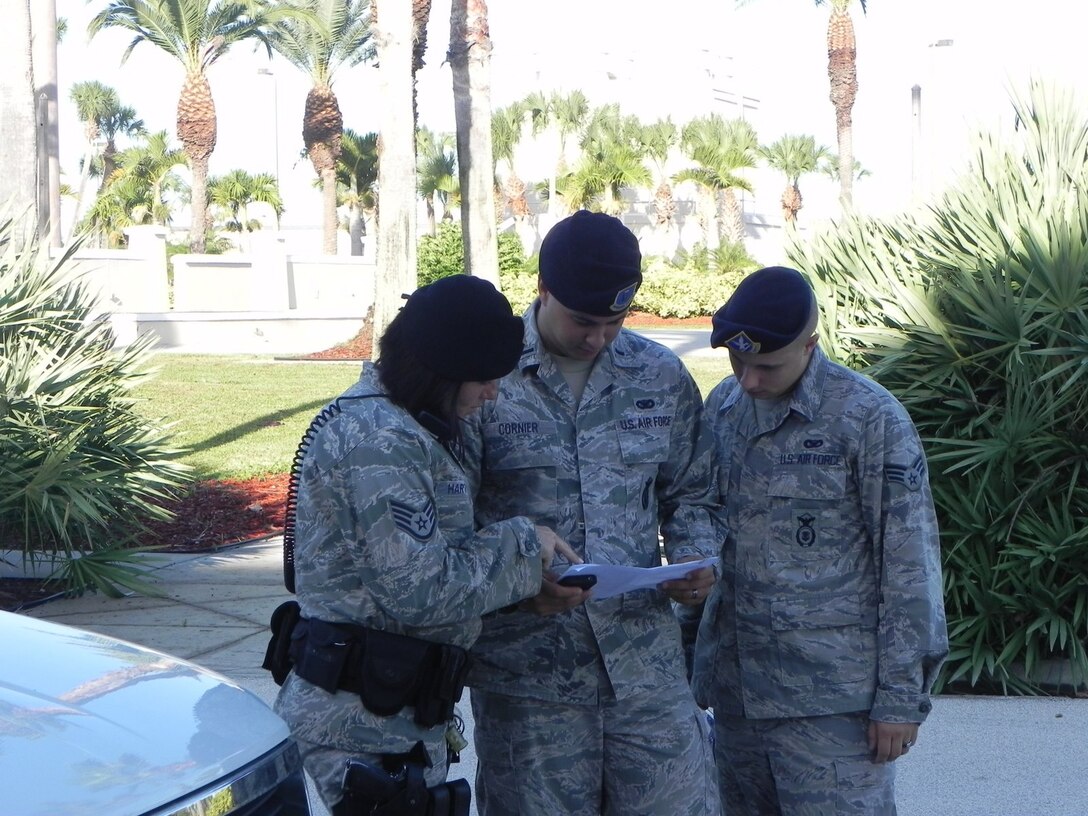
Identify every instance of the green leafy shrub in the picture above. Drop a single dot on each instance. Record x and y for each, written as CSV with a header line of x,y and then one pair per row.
x,y
975,314
443,254
520,287
79,462
678,293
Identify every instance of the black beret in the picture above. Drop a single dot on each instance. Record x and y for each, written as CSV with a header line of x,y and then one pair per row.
x,y
767,311
463,329
591,263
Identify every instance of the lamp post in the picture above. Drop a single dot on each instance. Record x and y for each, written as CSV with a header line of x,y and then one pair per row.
x,y
275,122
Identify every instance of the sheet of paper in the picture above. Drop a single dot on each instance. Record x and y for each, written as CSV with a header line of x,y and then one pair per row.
x,y
615,580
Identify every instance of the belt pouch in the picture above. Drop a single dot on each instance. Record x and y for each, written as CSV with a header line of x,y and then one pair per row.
x,y
277,657
322,659
391,669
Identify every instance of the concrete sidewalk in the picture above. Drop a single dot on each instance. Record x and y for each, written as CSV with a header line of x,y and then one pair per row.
x,y
976,756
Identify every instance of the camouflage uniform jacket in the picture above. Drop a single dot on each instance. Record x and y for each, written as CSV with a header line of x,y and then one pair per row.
x,y
830,598
631,458
385,538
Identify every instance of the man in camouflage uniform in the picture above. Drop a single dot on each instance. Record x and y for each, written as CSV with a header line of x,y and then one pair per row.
x,y
583,707
819,645
385,531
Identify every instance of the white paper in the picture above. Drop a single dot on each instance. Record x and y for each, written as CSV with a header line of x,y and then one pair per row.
x,y
615,580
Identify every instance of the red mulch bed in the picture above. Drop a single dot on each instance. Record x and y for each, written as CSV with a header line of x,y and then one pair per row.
x,y
361,346
212,515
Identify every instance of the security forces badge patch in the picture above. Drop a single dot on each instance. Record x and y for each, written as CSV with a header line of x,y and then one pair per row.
x,y
623,298
743,343
418,523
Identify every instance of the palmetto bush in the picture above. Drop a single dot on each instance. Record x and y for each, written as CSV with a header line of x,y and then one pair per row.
x,y
79,464
975,314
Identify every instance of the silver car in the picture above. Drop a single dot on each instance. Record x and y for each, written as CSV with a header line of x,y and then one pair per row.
x,y
91,724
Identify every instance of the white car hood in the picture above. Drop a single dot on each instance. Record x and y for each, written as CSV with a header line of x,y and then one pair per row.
x,y
90,724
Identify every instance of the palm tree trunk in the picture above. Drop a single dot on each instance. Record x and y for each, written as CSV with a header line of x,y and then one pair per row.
x,y
84,173
470,63
355,230
842,72
733,218
44,25
396,262
198,224
329,222
17,145
197,131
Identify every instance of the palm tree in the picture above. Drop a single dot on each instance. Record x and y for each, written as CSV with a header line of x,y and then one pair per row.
x,y
153,163
506,126
119,121
721,149
357,177
136,192
830,168
793,156
566,116
235,191
659,139
843,75
196,33
436,166
94,104
612,160
338,36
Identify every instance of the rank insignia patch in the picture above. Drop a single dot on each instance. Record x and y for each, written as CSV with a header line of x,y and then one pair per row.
x,y
418,523
910,476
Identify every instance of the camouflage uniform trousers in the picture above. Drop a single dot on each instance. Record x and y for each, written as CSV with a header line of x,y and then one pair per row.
x,y
326,765
538,758
801,766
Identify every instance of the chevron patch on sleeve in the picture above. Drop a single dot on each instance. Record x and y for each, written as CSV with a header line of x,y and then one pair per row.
x,y
910,476
419,523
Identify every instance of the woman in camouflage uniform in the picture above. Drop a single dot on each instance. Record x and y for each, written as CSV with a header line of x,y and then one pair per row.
x,y
384,531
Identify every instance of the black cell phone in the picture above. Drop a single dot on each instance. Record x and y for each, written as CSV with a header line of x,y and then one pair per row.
x,y
580,581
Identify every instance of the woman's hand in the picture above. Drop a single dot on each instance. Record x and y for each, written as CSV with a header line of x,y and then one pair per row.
x,y
551,544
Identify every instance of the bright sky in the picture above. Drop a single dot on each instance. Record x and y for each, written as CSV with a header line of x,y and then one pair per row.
x,y
773,51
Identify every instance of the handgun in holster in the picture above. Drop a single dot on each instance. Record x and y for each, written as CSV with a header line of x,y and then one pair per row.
x,y
372,791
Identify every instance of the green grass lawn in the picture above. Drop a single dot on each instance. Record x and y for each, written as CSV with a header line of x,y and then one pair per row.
x,y
240,416
243,416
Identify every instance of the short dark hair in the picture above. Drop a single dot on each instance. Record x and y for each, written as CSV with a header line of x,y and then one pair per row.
x,y
429,397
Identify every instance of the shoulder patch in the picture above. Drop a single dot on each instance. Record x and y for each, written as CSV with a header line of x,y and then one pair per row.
x,y
416,522
910,476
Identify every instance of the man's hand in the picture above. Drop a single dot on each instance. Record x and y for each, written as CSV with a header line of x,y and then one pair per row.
x,y
692,589
888,741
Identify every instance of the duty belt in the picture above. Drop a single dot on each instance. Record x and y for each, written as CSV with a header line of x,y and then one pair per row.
x,y
387,670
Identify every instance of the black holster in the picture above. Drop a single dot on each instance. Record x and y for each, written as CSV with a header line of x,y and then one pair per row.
x,y
374,791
